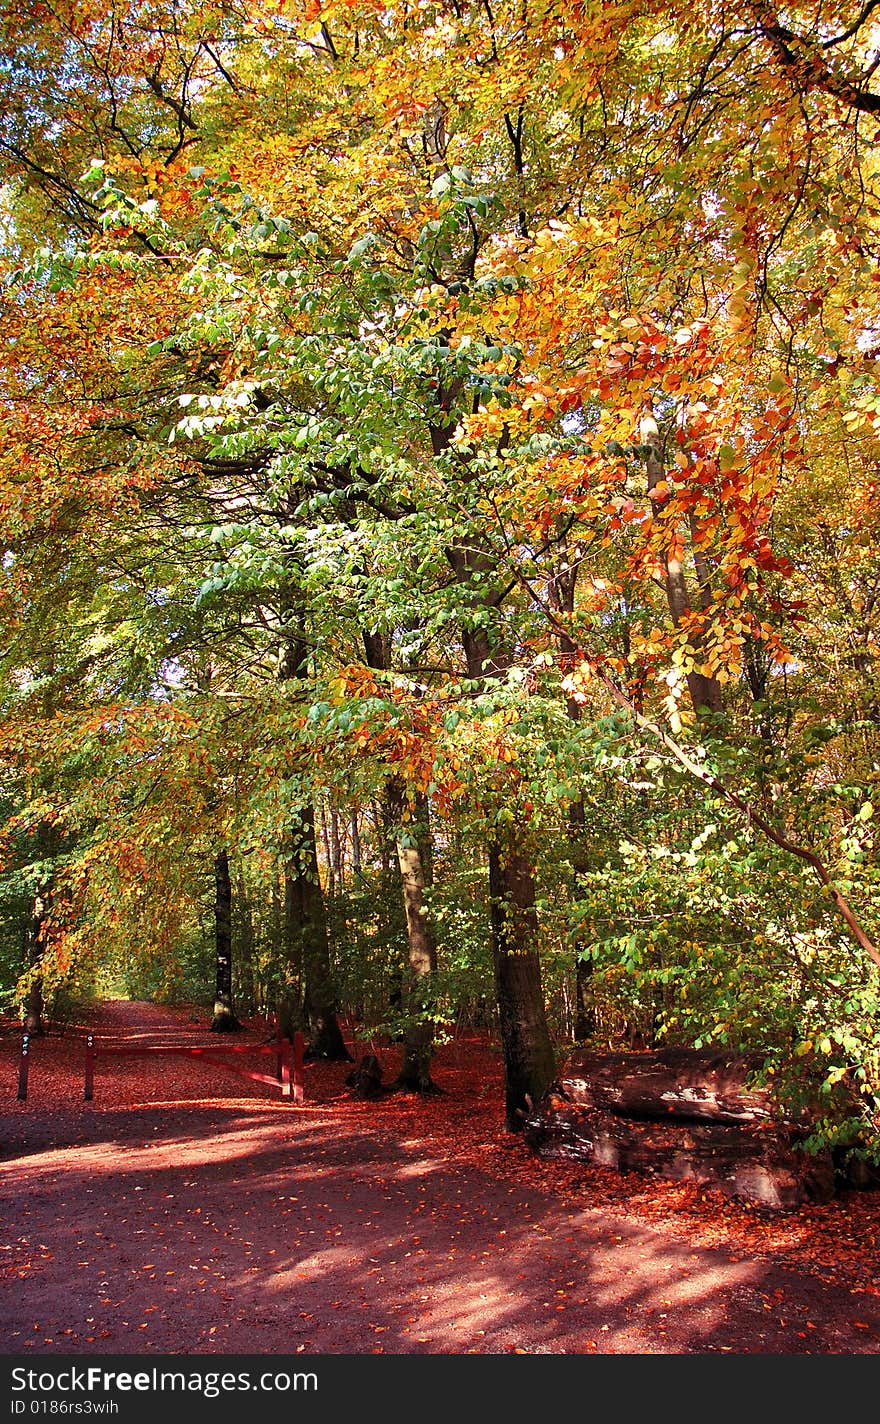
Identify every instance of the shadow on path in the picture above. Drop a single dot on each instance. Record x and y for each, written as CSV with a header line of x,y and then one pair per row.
x,y
251,1229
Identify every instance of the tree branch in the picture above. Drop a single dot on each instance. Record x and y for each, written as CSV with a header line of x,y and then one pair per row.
x,y
803,60
755,818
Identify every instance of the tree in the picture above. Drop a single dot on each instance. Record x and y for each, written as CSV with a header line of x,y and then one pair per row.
x,y
224,1020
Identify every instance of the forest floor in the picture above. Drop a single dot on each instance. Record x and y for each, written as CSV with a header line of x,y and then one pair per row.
x,y
186,1209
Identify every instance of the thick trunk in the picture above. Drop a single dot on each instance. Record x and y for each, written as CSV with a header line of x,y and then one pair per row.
x,y
224,1020
33,1010
413,857
356,857
525,1037
584,1009
584,1013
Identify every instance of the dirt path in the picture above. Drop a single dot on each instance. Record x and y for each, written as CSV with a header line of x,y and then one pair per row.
x,y
154,1220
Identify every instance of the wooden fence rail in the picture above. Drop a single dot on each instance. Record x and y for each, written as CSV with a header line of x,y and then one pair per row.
x,y
289,1061
289,1057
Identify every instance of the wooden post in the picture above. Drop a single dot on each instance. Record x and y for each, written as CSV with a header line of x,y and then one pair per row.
x,y
299,1082
23,1067
284,1073
90,1068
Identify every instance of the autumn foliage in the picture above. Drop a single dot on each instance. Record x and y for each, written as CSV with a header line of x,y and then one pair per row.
x,y
439,475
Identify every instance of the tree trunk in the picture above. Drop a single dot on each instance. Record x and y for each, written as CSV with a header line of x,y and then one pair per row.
x,y
325,1035
414,859
525,1037
562,598
382,844
584,1011
270,988
584,1008
245,940
291,991
356,857
224,1020
337,863
33,1007
684,1113
328,853
47,847
305,911
413,855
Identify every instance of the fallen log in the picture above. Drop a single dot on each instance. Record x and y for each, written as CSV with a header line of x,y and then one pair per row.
x,y
695,1084
759,1162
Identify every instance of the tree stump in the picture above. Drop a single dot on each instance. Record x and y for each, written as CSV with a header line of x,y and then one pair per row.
x,y
366,1078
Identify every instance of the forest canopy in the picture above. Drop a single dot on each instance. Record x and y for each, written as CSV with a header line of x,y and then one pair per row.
x,y
439,504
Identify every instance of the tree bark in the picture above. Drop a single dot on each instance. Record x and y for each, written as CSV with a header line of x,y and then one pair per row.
x,y
584,1012
47,847
291,992
684,1113
356,857
328,853
245,941
224,1020
337,862
525,1038
310,916
414,858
